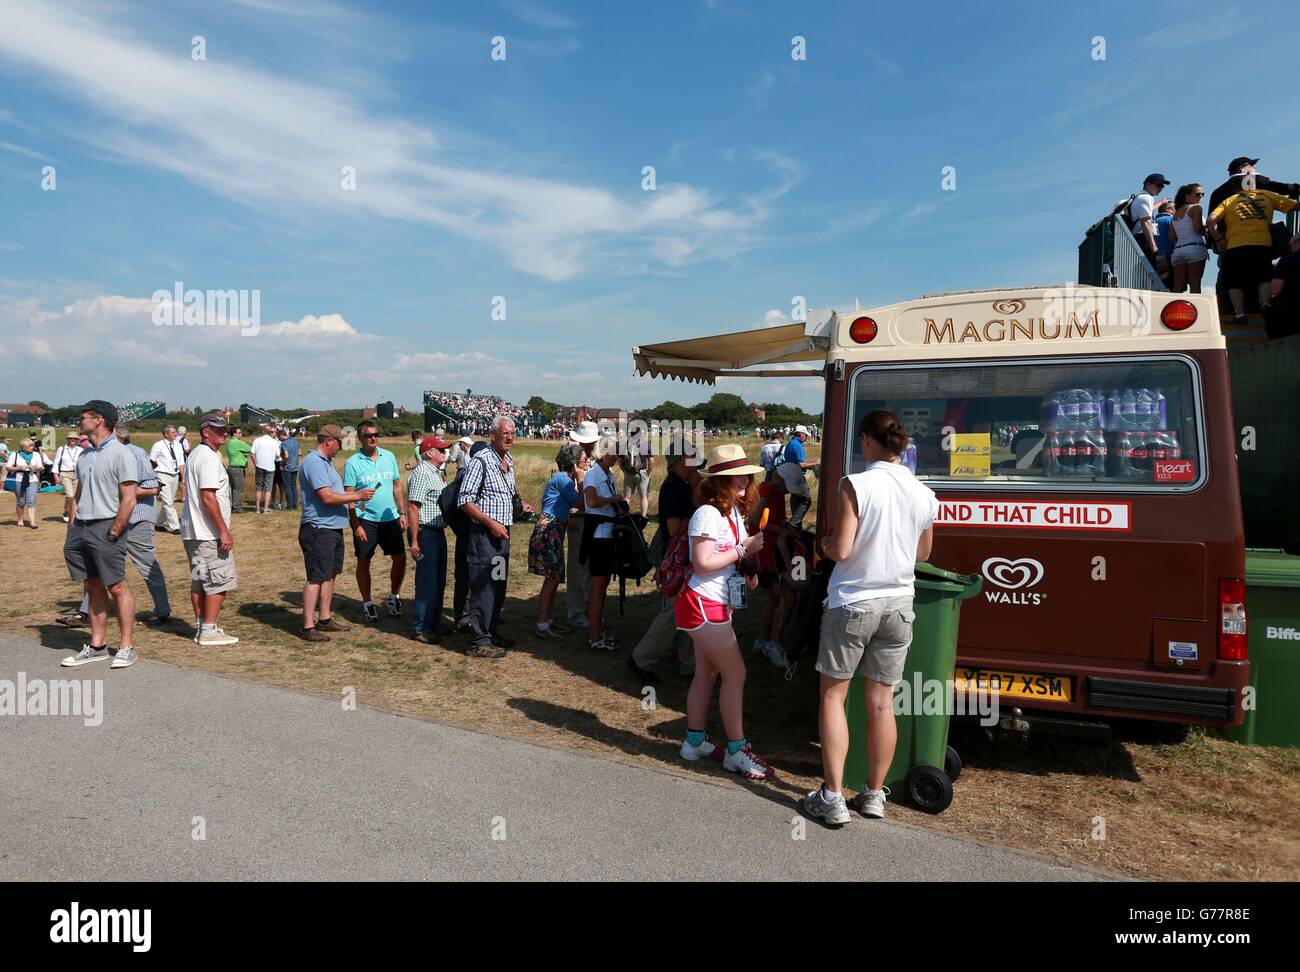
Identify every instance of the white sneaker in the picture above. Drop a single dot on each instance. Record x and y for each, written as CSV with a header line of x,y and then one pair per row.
x,y
834,811
85,657
124,658
871,803
215,637
703,751
65,519
747,763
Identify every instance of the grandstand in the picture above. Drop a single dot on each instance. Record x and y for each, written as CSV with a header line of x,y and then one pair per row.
x,y
471,414
135,411
253,414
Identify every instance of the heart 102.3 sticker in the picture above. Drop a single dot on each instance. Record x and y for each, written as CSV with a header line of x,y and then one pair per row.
x,y
1174,470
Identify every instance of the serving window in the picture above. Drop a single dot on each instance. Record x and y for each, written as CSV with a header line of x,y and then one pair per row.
x,y
1117,424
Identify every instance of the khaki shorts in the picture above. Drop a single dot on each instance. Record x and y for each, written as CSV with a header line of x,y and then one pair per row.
x,y
69,482
868,637
211,571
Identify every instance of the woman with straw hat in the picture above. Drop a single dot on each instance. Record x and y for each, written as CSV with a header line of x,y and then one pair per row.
x,y
719,543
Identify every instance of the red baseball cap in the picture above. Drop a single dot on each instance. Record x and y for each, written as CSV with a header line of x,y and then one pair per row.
x,y
432,442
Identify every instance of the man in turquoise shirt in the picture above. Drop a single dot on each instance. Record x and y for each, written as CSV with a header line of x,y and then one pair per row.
x,y
381,520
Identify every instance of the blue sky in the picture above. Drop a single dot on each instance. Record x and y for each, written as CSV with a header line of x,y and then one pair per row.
x,y
522,178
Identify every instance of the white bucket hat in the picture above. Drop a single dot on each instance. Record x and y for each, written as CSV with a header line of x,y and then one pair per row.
x,y
585,433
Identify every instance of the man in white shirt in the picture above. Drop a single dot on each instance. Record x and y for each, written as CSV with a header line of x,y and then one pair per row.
x,y
65,471
168,458
205,530
767,455
266,450
1142,214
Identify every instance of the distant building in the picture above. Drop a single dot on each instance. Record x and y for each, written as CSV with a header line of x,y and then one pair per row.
x,y
17,415
756,412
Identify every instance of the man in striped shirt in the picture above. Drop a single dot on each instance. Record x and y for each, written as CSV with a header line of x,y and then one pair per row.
x,y
487,495
428,539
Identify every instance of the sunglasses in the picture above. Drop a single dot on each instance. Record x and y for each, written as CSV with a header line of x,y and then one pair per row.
x,y
370,435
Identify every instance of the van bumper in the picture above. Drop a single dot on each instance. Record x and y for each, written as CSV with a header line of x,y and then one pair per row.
x,y
1218,705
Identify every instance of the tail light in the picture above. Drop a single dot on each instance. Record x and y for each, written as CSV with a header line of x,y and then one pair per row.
x,y
1178,315
1232,620
863,330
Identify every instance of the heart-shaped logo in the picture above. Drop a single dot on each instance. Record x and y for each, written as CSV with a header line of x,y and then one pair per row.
x,y
1013,574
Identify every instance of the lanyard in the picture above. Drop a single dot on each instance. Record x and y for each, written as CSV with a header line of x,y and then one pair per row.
x,y
176,466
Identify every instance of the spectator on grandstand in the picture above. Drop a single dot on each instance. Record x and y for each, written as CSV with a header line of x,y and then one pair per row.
x,y
290,454
25,465
379,522
1239,170
602,503
675,507
1142,213
237,451
578,584
428,537
1284,294
320,534
168,458
107,476
1242,222
205,530
487,498
1187,234
65,471
546,545
265,450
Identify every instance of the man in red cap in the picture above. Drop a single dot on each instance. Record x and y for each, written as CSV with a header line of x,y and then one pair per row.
x,y
428,537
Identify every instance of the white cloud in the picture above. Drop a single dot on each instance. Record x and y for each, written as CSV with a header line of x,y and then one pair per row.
x,y
267,140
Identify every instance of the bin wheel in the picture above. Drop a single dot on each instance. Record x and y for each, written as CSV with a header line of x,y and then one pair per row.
x,y
952,764
929,789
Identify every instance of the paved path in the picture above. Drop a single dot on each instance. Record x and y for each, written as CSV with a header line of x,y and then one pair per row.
x,y
291,786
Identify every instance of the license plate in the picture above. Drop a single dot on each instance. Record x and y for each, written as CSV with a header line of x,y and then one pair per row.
x,y
1014,685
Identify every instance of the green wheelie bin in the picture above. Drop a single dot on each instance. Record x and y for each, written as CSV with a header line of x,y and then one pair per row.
x,y
924,766
1273,626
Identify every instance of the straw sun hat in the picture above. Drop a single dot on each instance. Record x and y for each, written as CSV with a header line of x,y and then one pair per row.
x,y
729,460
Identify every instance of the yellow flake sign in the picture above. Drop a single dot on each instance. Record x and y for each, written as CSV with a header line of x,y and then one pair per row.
x,y
969,455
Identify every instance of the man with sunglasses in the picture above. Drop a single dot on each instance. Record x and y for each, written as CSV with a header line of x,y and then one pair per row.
x,y
205,531
379,521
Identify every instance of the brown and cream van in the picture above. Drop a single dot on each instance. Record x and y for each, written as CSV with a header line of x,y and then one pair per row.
x,y
1081,444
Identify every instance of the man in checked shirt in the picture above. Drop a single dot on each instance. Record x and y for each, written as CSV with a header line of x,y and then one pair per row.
x,y
487,498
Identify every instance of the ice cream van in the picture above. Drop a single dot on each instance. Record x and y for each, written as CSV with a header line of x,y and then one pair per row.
x,y
1081,444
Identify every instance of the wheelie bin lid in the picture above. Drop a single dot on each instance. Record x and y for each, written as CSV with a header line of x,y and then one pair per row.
x,y
935,578
1264,568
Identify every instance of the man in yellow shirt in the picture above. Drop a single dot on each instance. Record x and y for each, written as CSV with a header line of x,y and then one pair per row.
x,y
1244,219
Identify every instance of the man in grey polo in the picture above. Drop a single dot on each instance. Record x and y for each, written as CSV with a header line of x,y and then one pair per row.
x,y
107,477
139,539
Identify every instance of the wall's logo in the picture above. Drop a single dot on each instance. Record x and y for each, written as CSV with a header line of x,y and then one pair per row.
x,y
1014,306
1012,575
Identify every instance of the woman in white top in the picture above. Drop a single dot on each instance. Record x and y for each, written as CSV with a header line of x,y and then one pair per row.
x,y
719,543
602,501
883,525
26,465
1187,233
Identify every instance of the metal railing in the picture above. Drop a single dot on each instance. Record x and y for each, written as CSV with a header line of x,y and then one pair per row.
x,y
1110,257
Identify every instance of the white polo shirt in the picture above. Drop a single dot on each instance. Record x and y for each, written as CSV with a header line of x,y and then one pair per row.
x,y
167,457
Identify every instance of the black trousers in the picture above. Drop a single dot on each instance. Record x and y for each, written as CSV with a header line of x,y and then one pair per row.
x,y
489,564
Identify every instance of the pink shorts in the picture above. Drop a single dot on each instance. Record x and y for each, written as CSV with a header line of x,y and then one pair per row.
x,y
693,611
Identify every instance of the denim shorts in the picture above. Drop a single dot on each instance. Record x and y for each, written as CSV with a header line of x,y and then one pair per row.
x,y
868,637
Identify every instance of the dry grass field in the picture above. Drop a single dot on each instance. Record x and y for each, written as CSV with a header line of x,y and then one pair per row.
x,y
1204,809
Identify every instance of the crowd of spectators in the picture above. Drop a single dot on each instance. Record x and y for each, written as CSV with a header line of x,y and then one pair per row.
x,y
1259,260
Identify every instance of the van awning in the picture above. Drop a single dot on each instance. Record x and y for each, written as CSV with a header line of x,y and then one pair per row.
x,y
730,355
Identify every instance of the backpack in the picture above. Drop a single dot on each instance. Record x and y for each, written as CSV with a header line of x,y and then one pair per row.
x,y
675,568
630,552
803,628
453,517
